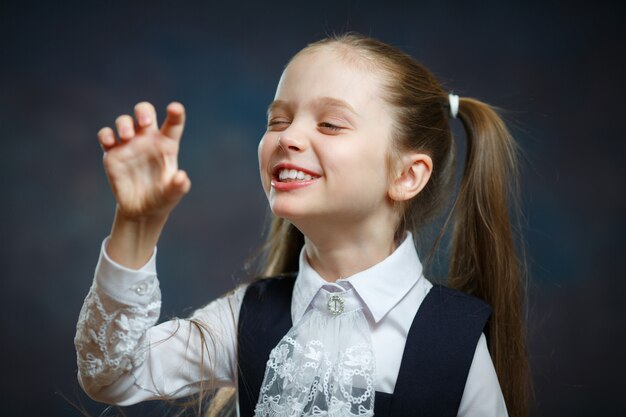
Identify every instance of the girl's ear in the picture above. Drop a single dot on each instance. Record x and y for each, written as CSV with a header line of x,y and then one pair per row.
x,y
412,174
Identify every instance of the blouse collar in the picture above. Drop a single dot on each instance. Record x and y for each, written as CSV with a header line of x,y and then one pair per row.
x,y
380,287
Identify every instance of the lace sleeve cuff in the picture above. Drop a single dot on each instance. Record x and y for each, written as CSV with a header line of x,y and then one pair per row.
x,y
121,306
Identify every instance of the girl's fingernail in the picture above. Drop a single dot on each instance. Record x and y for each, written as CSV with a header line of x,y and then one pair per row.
x,y
145,120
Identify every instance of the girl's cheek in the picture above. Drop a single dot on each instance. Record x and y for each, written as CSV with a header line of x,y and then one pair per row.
x,y
261,152
264,153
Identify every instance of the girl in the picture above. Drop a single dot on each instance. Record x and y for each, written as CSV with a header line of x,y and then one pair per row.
x,y
357,158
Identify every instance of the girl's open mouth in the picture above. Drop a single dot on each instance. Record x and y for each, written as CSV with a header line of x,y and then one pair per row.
x,y
287,178
288,175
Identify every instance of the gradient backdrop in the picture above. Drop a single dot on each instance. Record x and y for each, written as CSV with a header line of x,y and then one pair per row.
x,y
70,68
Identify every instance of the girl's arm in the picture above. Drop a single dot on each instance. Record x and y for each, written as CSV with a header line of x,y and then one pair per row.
x,y
123,358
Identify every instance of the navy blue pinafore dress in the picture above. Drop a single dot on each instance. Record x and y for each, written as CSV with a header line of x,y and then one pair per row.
x,y
436,360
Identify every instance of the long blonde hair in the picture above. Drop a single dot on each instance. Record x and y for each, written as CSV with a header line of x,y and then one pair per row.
x,y
483,259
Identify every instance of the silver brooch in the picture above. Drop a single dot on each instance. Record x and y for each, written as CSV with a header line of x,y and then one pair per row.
x,y
335,305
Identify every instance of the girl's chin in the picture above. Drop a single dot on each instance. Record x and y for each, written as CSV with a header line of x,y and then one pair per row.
x,y
287,213
290,211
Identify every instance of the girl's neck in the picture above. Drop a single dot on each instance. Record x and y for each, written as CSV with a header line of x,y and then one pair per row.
x,y
340,255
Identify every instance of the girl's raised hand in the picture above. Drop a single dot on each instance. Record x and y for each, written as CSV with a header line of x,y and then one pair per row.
x,y
142,163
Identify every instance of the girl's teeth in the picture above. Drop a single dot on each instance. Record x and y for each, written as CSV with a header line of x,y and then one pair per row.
x,y
292,174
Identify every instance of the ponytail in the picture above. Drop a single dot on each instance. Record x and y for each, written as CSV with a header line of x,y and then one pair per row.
x,y
483,259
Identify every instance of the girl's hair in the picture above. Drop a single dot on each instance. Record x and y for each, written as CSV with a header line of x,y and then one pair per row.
x,y
483,259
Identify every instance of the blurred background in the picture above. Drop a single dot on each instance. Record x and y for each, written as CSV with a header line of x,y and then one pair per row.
x,y
69,68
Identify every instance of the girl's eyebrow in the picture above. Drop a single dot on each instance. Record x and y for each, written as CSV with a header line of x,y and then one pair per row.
x,y
322,101
276,104
335,102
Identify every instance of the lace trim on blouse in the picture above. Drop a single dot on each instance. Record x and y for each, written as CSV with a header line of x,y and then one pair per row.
x,y
110,336
324,365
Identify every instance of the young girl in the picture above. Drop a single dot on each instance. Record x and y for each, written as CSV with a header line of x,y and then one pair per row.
x,y
357,158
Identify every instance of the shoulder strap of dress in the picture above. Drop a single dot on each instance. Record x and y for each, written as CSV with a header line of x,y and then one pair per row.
x,y
264,318
438,353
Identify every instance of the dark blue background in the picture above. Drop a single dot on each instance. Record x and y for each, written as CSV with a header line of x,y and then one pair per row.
x,y
70,68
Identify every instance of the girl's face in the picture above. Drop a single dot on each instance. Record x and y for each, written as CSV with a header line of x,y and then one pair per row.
x,y
330,128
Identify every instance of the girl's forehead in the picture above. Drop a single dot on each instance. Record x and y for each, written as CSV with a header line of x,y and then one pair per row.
x,y
324,72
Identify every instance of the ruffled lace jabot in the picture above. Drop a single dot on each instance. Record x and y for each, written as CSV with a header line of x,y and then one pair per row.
x,y
324,365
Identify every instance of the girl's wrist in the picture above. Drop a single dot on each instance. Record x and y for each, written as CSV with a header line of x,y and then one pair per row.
x,y
146,221
133,239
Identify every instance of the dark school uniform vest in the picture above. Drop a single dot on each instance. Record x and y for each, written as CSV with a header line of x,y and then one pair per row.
x,y
436,360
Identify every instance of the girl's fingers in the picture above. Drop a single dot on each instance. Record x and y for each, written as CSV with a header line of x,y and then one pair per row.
x,y
125,127
174,122
182,181
178,187
146,116
106,137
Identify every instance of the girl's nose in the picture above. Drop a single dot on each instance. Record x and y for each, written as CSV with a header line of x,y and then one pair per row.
x,y
290,141
296,136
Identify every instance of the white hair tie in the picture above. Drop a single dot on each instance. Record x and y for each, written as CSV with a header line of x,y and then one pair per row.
x,y
454,104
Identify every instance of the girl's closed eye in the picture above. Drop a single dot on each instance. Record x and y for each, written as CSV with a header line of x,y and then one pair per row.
x,y
277,124
331,127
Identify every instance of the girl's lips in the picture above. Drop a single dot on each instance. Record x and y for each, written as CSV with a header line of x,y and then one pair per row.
x,y
288,184
291,185
286,165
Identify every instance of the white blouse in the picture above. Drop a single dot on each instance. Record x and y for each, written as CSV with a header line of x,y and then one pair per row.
x,y
123,358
